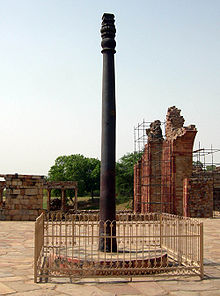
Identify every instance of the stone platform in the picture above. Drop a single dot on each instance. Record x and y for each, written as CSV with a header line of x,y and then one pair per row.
x,y
16,270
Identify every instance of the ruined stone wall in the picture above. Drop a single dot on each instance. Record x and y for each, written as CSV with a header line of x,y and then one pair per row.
x,y
216,190
167,177
182,154
24,197
181,140
165,174
154,191
176,166
145,177
166,163
198,197
215,177
2,187
216,199
174,123
147,173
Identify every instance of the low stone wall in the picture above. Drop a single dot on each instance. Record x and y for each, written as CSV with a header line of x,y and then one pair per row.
x,y
216,192
24,197
198,197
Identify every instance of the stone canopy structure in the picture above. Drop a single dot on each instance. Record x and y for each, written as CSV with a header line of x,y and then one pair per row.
x,y
163,179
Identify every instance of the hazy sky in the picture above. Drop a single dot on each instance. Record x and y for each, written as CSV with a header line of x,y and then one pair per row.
x,y
51,68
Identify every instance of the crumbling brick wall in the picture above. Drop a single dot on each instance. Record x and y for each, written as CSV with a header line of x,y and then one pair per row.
x,y
151,192
216,189
180,139
147,173
214,176
2,187
137,187
198,197
24,197
167,178
167,171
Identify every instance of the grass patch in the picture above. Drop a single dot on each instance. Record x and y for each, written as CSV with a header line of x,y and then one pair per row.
x,y
86,203
123,203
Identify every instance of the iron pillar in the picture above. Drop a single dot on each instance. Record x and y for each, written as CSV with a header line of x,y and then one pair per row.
x,y
107,181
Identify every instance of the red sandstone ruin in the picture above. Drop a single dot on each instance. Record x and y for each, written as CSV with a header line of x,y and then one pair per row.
x,y
163,178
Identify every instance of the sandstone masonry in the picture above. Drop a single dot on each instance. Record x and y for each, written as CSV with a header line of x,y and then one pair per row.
x,y
163,179
24,197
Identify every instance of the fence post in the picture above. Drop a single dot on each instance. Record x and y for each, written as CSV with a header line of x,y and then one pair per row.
x,y
35,251
201,252
180,240
161,220
38,241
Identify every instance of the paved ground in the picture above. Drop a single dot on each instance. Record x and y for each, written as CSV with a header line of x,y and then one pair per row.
x,y
16,270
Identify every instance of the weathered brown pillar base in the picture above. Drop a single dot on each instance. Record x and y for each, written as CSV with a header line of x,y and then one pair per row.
x,y
107,240
75,201
63,199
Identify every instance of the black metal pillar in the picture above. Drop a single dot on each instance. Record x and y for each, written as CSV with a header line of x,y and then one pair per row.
x,y
107,184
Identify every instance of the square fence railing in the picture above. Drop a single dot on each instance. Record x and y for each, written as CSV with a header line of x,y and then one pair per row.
x,y
67,245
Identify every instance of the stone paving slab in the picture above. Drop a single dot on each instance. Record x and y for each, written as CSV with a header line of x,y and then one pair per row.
x,y
4,289
16,270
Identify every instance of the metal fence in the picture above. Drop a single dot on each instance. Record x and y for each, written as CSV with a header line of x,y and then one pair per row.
x,y
67,245
38,244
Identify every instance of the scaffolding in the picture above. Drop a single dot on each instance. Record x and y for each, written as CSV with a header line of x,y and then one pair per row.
x,y
205,159
153,186
140,135
202,157
154,182
206,166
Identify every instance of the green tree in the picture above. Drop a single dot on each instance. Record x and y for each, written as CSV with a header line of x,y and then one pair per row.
x,y
86,171
211,167
92,175
125,174
197,164
76,167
